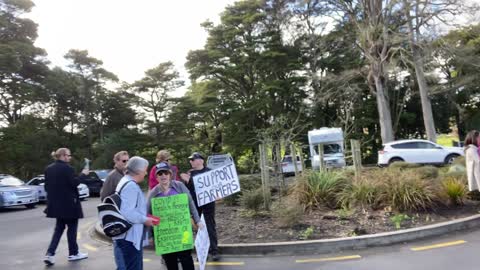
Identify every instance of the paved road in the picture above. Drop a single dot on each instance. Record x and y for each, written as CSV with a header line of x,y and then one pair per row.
x,y
25,234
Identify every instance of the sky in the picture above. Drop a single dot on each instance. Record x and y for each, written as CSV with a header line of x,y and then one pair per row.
x,y
130,37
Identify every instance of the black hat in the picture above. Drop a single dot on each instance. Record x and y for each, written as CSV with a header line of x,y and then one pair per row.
x,y
196,155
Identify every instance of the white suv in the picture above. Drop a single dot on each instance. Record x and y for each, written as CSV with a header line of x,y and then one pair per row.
x,y
417,151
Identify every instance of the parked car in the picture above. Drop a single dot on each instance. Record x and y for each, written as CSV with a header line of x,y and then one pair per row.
x,y
288,167
93,182
14,192
417,151
39,182
102,174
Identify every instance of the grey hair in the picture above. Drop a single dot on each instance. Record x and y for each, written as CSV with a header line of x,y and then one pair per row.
x,y
136,164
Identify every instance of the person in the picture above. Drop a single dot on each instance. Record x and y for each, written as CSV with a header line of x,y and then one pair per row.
x,y
472,160
128,247
120,160
63,204
162,156
197,163
168,187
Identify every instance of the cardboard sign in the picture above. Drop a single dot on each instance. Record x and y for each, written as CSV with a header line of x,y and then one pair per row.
x,y
216,184
202,244
174,233
216,161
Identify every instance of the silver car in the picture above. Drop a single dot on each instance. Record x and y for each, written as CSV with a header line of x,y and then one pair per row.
x,y
39,182
14,192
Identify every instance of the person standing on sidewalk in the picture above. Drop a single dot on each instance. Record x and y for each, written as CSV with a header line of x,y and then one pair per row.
x,y
63,203
120,159
198,167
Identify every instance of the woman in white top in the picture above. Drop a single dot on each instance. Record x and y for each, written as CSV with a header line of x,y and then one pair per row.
x,y
472,160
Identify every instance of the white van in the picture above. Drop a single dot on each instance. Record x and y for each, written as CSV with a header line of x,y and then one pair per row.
x,y
333,148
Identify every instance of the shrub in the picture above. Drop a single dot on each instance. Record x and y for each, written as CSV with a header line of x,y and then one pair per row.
x,y
405,191
252,199
398,219
401,165
457,169
289,215
362,192
247,183
316,188
454,190
459,161
427,172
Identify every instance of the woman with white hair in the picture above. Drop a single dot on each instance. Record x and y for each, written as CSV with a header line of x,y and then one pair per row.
x,y
128,247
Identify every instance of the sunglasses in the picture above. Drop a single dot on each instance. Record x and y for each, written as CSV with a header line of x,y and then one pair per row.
x,y
125,160
163,173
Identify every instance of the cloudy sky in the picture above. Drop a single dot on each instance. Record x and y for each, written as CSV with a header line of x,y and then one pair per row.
x,y
128,36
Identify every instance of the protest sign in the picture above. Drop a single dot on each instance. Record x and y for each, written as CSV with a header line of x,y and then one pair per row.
x,y
219,160
202,244
174,233
216,184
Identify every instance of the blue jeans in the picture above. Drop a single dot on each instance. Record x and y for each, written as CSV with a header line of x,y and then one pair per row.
x,y
127,257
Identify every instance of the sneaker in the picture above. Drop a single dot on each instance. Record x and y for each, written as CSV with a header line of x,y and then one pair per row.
x,y
215,257
77,257
49,260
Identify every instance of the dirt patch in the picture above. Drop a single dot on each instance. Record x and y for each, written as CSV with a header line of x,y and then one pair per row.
x,y
235,225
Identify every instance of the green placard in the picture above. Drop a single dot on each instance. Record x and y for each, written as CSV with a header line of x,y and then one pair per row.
x,y
174,233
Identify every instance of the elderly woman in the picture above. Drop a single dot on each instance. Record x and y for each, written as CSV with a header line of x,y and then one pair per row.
x,y
167,187
128,247
472,160
162,156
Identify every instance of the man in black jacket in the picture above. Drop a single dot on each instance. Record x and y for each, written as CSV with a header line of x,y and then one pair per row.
x,y
63,203
197,162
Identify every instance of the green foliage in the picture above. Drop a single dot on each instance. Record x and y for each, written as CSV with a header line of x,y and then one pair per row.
x,y
398,219
363,192
427,172
401,165
307,233
246,163
252,199
320,188
454,190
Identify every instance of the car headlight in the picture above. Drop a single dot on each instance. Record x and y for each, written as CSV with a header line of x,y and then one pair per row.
x,y
7,194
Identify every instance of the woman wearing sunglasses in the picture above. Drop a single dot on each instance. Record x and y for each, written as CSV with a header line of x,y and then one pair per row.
x,y
167,187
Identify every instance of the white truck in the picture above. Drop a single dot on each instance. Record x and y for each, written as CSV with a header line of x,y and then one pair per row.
x,y
333,149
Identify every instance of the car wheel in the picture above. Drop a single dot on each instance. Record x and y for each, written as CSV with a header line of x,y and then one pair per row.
x,y
30,205
395,159
450,158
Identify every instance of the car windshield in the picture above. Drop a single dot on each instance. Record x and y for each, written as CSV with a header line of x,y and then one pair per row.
x,y
10,181
102,173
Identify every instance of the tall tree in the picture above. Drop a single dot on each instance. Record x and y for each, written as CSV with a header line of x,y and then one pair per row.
x,y
22,65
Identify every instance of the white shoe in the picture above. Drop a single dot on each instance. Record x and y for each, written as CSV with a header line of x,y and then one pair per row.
x,y
49,260
77,257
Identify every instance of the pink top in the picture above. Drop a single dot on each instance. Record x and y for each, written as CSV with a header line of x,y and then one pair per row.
x,y
152,179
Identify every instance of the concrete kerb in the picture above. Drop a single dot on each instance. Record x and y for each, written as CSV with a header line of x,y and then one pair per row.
x,y
341,244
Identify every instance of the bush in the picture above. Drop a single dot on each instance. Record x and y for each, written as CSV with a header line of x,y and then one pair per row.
x,y
454,190
459,161
363,192
457,169
316,188
427,172
406,191
289,215
401,165
247,183
252,199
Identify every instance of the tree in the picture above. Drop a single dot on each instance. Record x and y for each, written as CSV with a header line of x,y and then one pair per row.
x,y
22,65
157,84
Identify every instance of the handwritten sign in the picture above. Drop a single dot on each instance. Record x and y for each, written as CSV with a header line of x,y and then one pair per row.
x,y
216,184
174,233
202,244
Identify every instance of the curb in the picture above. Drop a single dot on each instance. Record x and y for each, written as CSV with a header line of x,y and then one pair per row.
x,y
341,244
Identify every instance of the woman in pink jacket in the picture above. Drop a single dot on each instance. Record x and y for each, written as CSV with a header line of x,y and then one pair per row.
x,y
162,156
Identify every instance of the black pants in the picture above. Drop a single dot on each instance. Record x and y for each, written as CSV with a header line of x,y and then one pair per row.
x,y
72,225
185,258
208,211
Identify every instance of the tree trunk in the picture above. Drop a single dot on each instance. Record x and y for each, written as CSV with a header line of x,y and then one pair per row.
x,y
428,120
386,128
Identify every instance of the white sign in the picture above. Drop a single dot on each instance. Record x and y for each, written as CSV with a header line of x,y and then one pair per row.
x,y
202,244
216,161
216,184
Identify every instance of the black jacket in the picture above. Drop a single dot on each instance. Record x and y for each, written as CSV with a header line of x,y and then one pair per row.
x,y
62,192
191,188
